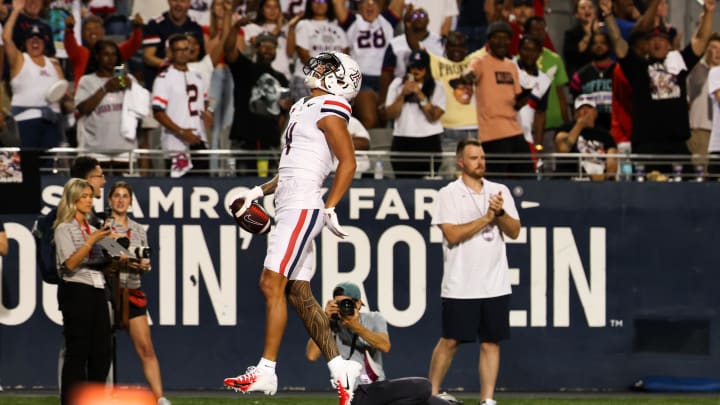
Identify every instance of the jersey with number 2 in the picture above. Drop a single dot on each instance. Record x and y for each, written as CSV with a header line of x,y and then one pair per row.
x,y
182,95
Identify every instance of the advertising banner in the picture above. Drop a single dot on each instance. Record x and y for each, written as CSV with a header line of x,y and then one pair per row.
x,y
611,282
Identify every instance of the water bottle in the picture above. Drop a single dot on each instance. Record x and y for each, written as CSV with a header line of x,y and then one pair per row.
x,y
378,173
539,166
677,172
640,172
626,169
263,165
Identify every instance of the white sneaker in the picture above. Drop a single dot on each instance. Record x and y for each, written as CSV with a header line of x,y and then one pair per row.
x,y
163,401
347,380
253,380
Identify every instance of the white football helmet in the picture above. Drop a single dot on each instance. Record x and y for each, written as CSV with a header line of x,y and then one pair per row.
x,y
334,72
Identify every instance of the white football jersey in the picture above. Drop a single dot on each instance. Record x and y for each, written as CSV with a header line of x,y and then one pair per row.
x,y
368,42
182,95
306,159
319,36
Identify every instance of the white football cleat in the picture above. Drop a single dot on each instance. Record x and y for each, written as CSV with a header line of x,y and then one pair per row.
x,y
346,381
253,380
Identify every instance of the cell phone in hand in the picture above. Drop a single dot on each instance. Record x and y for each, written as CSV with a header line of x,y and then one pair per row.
x,y
119,71
109,222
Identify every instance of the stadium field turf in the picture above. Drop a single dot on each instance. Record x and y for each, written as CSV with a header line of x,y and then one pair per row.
x,y
327,400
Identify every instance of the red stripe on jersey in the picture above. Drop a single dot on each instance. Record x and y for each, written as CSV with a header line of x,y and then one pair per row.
x,y
532,103
293,241
339,104
160,99
153,38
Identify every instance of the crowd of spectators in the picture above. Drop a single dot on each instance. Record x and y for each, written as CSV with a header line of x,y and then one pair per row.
x,y
180,76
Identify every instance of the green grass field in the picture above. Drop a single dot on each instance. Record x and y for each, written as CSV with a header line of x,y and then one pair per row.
x,y
327,400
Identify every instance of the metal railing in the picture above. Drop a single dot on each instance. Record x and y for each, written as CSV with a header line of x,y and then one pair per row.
x,y
384,164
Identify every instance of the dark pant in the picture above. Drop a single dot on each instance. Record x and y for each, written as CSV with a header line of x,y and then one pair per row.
x,y
415,166
39,134
115,168
401,391
86,326
508,165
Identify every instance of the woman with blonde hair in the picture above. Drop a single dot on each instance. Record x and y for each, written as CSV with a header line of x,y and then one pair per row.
x,y
86,314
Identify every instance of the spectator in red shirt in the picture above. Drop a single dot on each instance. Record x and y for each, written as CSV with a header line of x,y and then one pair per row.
x,y
93,31
522,10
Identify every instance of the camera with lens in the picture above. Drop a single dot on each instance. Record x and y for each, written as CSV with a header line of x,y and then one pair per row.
x,y
142,252
346,307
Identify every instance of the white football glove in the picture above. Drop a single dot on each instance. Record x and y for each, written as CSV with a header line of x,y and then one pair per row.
x,y
250,196
332,224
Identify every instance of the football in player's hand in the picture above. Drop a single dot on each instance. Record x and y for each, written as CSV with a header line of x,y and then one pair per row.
x,y
254,220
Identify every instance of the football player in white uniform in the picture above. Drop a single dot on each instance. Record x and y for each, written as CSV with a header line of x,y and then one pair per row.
x,y
315,137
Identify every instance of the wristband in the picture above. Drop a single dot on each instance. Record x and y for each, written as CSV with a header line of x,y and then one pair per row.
x,y
423,102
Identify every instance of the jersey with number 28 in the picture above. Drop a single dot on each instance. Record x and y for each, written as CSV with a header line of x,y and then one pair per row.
x,y
368,40
306,157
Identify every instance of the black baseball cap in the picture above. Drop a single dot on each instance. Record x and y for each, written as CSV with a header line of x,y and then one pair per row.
x,y
662,31
499,26
419,59
266,37
37,30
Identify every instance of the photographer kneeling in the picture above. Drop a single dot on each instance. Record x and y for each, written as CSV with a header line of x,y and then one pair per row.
x,y
363,337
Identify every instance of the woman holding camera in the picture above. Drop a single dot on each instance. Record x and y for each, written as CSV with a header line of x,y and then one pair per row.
x,y
120,200
416,102
86,315
99,102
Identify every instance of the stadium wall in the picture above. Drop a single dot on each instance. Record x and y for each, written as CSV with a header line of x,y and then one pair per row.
x,y
612,282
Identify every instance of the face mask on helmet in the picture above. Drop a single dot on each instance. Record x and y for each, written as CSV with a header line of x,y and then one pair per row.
x,y
335,73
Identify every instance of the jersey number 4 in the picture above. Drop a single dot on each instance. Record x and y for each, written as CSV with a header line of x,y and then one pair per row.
x,y
288,136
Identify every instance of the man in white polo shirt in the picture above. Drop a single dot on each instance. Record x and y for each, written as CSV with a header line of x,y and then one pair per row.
x,y
475,215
